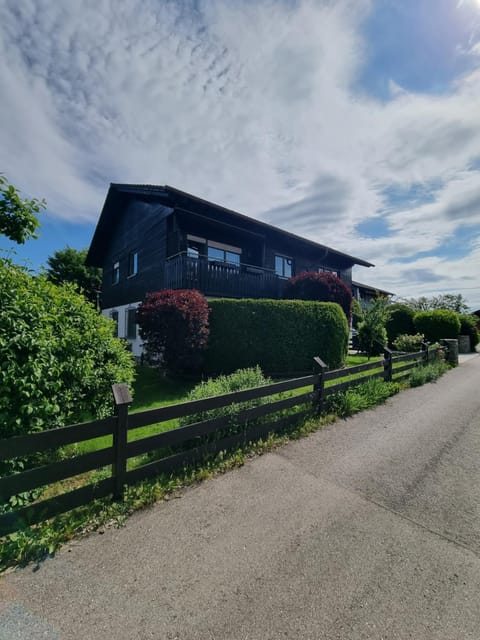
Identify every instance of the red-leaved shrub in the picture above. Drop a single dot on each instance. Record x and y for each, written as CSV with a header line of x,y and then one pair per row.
x,y
174,327
323,287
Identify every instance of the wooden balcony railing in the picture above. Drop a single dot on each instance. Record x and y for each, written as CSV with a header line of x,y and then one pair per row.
x,y
220,278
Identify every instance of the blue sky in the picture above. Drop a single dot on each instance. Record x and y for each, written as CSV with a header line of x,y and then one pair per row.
x,y
355,122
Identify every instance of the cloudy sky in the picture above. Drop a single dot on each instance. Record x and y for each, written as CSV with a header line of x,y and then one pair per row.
x,y
355,123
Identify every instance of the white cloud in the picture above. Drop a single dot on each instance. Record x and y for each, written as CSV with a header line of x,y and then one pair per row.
x,y
250,104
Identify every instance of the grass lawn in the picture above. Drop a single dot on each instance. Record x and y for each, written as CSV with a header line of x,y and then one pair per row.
x,y
150,391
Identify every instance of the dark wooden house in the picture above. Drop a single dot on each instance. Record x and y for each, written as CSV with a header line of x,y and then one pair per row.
x,y
151,237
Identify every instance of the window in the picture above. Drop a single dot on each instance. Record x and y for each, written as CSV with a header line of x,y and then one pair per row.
x,y
224,253
327,270
132,263
195,246
131,322
116,273
283,266
114,317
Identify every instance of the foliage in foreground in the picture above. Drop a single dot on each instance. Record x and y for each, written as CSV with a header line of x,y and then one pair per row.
x,y
58,357
38,542
18,220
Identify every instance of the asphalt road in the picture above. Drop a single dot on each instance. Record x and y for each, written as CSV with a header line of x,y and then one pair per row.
x,y
369,528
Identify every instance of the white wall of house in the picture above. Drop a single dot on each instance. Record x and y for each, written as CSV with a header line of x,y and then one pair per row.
x,y
124,330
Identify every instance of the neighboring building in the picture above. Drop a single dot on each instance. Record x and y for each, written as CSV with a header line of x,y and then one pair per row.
x,y
150,238
364,293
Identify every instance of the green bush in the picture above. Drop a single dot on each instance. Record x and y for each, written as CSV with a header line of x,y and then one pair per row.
x,y
408,343
58,356
468,327
437,324
399,321
278,335
372,336
236,381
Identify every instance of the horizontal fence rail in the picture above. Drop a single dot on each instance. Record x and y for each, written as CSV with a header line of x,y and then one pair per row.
x,y
279,404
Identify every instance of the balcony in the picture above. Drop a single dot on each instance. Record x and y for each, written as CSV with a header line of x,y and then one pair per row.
x,y
221,279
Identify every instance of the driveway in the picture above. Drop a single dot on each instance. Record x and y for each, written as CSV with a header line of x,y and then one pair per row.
x,y
369,528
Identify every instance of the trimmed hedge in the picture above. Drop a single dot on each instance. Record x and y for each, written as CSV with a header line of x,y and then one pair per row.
x,y
278,335
437,324
399,321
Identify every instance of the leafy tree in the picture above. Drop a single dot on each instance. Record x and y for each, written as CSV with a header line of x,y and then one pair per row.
x,y
18,220
452,302
58,357
68,265
372,335
174,327
322,287
357,313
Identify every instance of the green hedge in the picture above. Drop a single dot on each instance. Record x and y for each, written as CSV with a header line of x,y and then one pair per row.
x,y
399,321
437,324
278,335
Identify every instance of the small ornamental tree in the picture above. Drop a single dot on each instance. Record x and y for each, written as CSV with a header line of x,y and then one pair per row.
x,y
322,287
372,335
174,327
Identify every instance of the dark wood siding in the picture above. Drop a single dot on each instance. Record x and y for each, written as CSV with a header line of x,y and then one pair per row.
x,y
306,258
141,226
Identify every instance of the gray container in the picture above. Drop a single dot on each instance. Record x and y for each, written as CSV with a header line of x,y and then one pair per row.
x,y
452,350
464,344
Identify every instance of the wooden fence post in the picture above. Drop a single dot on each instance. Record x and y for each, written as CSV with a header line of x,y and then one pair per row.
x,y
425,352
319,368
123,399
387,364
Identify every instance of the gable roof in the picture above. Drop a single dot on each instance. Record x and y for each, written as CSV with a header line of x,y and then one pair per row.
x,y
175,198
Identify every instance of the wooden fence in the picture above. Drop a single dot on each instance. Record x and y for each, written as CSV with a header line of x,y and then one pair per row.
x,y
176,448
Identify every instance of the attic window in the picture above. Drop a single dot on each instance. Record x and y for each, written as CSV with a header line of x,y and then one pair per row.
x,y
116,272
